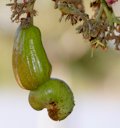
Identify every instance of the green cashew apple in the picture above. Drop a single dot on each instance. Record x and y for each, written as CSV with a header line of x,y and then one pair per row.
x,y
30,63
56,96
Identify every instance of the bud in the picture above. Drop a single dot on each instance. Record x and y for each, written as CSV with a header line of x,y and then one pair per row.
x,y
110,2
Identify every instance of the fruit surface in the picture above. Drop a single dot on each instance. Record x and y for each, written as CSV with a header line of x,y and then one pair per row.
x,y
56,96
30,63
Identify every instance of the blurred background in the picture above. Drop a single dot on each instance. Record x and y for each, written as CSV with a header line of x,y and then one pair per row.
x,y
95,81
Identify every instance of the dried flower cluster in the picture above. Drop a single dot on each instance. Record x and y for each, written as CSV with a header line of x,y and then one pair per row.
x,y
18,9
99,29
70,9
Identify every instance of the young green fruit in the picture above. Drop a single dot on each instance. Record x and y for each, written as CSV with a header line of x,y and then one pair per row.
x,y
30,63
56,96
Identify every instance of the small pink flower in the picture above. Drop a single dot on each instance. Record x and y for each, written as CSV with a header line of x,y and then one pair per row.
x,y
109,2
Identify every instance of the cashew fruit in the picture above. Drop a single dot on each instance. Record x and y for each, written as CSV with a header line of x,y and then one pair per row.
x,y
30,63
56,96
